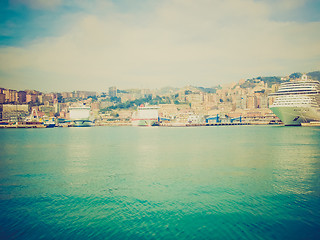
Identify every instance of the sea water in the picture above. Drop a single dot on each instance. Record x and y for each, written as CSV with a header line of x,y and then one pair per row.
x,y
232,182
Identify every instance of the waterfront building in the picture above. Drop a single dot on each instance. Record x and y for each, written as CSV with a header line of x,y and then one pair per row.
x,y
168,110
195,119
47,109
15,112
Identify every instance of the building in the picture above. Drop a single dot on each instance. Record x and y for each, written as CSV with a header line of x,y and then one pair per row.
x,y
15,112
112,91
11,96
241,102
84,94
48,110
22,97
262,101
31,98
2,98
252,102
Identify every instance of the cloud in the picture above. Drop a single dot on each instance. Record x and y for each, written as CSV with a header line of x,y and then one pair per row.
x,y
37,4
290,4
176,43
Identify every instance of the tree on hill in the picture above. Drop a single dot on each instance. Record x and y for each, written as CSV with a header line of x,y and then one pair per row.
x,y
295,75
314,75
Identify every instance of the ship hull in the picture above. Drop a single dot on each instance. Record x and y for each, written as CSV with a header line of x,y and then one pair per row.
x,y
50,125
82,123
294,116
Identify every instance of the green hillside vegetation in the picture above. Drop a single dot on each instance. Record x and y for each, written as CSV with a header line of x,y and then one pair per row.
x,y
314,75
207,90
295,75
250,83
133,104
270,80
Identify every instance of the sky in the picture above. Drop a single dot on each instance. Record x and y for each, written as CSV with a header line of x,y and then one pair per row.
x,y
66,45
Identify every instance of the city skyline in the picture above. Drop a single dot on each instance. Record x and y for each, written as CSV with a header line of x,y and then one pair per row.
x,y
91,45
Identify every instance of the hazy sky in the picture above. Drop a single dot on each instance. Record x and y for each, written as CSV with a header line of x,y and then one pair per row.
x,y
64,45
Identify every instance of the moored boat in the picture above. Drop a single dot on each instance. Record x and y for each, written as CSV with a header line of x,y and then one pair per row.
x,y
145,116
297,102
80,116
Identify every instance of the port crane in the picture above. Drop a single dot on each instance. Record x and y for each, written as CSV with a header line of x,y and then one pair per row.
x,y
217,118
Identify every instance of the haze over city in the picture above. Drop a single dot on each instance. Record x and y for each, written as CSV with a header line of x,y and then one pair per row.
x,y
90,45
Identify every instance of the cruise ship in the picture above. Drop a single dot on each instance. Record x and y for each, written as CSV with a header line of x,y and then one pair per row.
x,y
145,116
80,116
297,101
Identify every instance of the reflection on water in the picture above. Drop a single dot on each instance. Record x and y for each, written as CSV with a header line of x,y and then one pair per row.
x,y
242,182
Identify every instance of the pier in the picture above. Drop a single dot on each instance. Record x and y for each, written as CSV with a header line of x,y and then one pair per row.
x,y
201,124
23,126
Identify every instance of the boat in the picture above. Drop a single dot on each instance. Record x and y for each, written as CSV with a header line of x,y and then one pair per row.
x,y
82,123
80,116
297,102
34,120
145,116
50,123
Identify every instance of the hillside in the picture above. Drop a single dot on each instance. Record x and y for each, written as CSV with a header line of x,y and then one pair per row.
x,y
314,75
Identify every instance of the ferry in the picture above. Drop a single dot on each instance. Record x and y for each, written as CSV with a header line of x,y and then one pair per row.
x,y
297,102
80,116
145,116
50,123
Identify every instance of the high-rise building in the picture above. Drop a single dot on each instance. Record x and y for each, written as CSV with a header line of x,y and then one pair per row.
x,y
241,101
22,97
31,98
252,102
2,98
112,91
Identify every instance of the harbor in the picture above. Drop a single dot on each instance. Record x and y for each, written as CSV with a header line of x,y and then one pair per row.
x,y
160,120
134,182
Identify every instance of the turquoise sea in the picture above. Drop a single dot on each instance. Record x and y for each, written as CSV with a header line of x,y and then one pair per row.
x,y
236,182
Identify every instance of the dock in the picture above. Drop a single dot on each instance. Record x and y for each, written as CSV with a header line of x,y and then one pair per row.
x,y
200,124
23,126
311,124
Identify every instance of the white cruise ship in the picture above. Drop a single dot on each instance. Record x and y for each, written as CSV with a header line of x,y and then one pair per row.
x,y
297,102
145,116
80,116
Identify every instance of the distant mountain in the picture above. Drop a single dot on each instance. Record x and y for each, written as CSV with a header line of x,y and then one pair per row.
x,y
250,83
167,90
314,75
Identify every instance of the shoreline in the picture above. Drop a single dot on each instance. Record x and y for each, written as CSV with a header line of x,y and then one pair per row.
x,y
311,124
